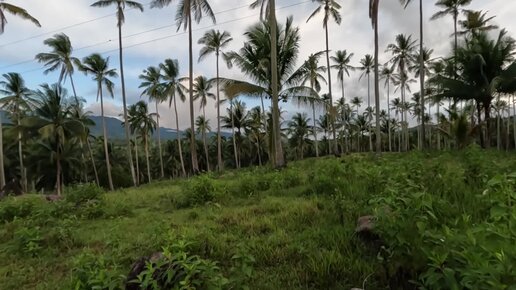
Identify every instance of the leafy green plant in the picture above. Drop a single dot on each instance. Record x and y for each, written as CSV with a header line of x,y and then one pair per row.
x,y
200,190
28,240
95,272
83,193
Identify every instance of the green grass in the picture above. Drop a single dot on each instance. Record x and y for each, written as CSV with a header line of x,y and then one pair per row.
x,y
298,223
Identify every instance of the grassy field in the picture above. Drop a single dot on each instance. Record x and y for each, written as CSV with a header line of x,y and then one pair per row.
x,y
443,221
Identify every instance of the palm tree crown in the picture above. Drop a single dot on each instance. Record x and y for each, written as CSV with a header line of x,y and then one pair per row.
x,y
16,11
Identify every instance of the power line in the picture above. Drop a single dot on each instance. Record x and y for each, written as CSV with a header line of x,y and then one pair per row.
x,y
168,36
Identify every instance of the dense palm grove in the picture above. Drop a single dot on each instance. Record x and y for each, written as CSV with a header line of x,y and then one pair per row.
x,y
465,97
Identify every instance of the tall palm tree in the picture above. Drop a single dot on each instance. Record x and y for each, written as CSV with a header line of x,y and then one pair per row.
x,y
268,10
98,67
214,41
367,65
453,8
17,101
299,131
120,8
331,10
54,121
311,72
202,87
16,11
203,127
142,122
475,23
373,14
341,62
172,90
60,58
402,56
151,81
357,102
421,63
388,75
184,12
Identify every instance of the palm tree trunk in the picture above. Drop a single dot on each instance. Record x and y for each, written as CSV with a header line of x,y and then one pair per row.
x,y
370,117
315,123
146,143
58,169
344,121
2,172
205,142
279,159
377,89
23,172
422,76
137,159
235,149
159,143
104,129
74,91
438,126
514,119
332,116
193,149
220,162
83,160
124,103
498,137
178,137
389,125
455,16
93,163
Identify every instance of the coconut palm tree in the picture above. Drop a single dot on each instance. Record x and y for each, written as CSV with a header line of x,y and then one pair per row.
x,y
120,9
153,88
185,11
453,8
331,10
268,10
98,67
341,62
214,41
311,72
203,127
16,11
60,58
202,87
367,65
55,123
388,75
299,131
17,101
172,90
142,122
373,15
421,63
476,22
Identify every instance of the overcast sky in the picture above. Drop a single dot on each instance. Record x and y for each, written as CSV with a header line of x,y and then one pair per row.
x,y
151,37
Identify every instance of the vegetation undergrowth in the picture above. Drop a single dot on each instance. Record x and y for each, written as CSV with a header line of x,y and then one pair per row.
x,y
442,221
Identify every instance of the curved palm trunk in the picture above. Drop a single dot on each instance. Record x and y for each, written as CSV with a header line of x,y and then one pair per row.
x,y
74,91
332,116
93,163
205,142
220,162
2,171
193,149
124,102
159,143
178,137
279,159
104,129
146,144
422,76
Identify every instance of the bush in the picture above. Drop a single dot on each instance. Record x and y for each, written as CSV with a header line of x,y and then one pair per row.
x,y
200,190
19,207
94,272
83,193
28,240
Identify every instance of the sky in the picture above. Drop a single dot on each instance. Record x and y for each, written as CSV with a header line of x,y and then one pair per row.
x,y
151,37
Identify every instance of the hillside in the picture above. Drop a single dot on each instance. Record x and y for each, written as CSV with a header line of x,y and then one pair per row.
x,y
268,229
116,130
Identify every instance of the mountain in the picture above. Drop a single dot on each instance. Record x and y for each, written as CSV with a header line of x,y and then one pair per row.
x,y
116,130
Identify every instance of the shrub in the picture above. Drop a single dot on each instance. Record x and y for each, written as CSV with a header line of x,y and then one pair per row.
x,y
19,207
94,272
200,190
83,193
28,240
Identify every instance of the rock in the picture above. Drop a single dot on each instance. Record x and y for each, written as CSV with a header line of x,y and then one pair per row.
x,y
53,197
138,267
365,224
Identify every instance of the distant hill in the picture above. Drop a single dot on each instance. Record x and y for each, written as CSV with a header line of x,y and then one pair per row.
x,y
116,130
